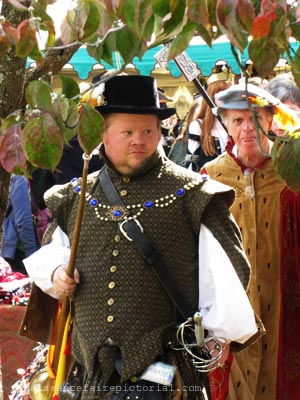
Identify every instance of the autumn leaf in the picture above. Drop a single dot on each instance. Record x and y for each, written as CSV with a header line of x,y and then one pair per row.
x,y
26,38
43,142
4,44
11,31
262,23
68,28
12,157
231,24
18,4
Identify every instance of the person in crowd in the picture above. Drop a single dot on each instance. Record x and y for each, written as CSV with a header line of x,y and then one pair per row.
x,y
203,135
179,148
206,137
124,320
19,235
246,165
283,87
167,126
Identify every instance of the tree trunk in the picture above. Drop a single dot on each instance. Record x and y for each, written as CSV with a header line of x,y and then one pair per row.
x,y
13,80
12,72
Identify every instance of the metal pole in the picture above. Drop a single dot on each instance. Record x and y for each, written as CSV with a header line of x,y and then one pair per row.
x,y
190,72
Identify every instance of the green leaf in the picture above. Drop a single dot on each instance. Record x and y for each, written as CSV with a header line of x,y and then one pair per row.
x,y
66,115
296,67
109,46
12,157
138,17
161,8
73,117
68,28
127,44
43,142
49,27
286,160
67,133
36,54
127,11
95,52
61,108
181,42
87,18
264,55
70,87
46,24
294,26
90,128
205,34
175,22
10,120
38,95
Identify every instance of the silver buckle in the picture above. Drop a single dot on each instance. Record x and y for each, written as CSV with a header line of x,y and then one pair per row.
x,y
123,231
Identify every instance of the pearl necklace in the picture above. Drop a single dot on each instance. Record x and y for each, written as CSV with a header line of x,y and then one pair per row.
x,y
133,211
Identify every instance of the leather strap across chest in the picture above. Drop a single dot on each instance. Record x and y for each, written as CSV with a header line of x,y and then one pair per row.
x,y
133,231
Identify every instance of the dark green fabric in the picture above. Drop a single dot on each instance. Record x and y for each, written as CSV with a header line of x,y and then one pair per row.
x,y
142,310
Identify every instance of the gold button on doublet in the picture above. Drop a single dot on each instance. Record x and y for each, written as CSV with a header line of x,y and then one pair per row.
x,y
113,268
115,253
111,285
110,301
126,179
117,238
123,192
110,318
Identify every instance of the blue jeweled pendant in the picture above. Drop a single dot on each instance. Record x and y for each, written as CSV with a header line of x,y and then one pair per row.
x,y
116,213
148,204
180,192
94,202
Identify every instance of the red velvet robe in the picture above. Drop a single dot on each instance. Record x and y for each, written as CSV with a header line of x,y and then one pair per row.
x,y
288,367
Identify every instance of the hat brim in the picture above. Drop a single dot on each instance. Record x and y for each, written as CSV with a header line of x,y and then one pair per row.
x,y
162,113
236,105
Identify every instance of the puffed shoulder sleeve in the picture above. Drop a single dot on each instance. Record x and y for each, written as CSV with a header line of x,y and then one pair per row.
x,y
59,199
219,220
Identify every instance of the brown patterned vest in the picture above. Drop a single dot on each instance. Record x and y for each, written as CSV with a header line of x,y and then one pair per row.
x,y
119,297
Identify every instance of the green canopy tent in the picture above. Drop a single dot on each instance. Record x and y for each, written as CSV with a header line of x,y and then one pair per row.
x,y
204,57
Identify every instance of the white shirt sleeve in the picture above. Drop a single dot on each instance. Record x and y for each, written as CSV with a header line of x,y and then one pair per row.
x,y
223,302
41,264
194,129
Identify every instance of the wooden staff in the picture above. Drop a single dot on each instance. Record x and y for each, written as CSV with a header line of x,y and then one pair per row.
x,y
65,308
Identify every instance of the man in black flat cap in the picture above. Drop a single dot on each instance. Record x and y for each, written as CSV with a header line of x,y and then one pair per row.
x,y
124,319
